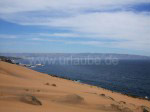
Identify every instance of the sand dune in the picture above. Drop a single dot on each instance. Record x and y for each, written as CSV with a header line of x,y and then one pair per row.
x,y
25,90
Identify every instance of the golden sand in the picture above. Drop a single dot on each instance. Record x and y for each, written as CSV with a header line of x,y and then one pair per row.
x,y
25,90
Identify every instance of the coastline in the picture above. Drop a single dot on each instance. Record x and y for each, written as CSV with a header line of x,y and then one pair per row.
x,y
57,94
80,82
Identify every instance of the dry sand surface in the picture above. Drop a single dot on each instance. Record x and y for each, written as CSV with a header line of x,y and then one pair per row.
x,y
25,90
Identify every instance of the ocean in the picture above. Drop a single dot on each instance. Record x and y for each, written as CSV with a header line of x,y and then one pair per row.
x,y
131,77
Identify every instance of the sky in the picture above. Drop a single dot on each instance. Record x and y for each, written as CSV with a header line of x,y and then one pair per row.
x,y
75,26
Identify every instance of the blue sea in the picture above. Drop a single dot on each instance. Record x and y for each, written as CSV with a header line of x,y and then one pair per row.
x,y
130,77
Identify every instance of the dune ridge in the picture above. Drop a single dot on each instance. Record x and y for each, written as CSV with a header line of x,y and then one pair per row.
x,y
25,90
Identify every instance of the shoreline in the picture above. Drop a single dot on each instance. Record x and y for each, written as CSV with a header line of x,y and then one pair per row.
x,y
133,96
23,89
9,60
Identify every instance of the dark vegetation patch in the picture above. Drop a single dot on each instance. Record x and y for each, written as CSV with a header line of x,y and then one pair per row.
x,y
31,100
54,85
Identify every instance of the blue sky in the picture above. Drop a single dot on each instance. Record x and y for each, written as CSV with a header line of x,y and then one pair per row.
x,y
75,26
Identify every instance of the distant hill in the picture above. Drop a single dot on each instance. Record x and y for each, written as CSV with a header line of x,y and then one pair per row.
x,y
78,55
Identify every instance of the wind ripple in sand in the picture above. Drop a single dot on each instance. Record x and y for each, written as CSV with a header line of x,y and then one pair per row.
x,y
70,99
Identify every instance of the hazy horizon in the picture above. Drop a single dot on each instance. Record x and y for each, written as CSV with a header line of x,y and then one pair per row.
x,y
70,53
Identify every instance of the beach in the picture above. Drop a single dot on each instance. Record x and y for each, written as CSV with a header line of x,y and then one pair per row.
x,y
25,90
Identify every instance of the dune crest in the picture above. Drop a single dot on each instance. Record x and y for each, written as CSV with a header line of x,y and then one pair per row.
x,y
22,89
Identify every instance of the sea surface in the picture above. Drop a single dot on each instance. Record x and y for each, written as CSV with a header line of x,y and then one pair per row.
x,y
130,77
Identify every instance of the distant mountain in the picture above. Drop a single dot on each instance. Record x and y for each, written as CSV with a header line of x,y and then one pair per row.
x,y
78,55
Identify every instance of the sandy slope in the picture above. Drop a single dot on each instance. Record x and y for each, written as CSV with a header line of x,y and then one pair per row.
x,y
25,90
